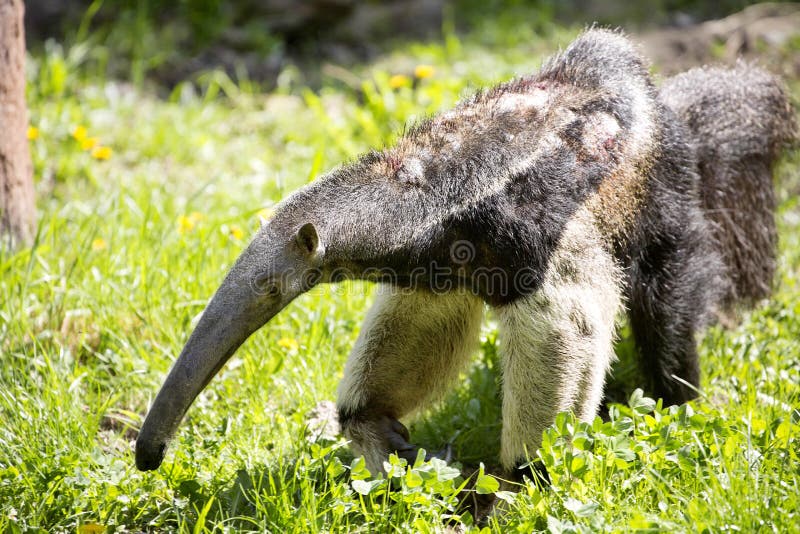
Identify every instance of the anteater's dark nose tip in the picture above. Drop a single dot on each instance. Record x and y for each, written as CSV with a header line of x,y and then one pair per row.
x,y
149,455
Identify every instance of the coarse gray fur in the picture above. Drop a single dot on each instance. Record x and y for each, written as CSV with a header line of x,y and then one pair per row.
x,y
556,199
739,119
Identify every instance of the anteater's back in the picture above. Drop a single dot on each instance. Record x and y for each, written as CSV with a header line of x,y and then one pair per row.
x,y
740,119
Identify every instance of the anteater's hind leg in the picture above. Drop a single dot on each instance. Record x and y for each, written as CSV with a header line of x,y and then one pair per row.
x,y
411,347
674,288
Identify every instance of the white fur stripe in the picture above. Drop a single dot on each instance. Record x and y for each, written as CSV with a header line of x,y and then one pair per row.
x,y
492,185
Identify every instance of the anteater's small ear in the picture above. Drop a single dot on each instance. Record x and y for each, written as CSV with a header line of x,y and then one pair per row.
x,y
307,239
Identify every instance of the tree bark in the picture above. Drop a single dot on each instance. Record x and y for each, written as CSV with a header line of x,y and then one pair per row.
x,y
17,210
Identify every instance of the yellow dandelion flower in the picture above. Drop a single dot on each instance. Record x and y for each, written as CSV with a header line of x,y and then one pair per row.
x,y
91,528
424,71
88,143
33,133
101,152
185,224
236,232
79,133
99,244
399,80
288,343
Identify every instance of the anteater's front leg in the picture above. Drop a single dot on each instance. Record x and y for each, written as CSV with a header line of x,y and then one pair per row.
x,y
557,343
411,346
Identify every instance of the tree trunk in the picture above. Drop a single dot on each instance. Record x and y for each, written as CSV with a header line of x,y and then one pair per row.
x,y
17,210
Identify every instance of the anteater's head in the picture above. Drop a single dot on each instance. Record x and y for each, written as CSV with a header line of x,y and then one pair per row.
x,y
280,264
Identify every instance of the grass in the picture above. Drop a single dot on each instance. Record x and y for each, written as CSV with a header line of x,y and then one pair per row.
x,y
130,248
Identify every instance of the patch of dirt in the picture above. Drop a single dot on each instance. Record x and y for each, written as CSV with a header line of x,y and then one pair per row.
x,y
764,31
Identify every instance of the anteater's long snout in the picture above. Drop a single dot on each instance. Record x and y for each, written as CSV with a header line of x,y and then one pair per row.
x,y
149,454
234,313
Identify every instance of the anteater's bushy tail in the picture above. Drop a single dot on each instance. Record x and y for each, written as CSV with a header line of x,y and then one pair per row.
x,y
739,119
